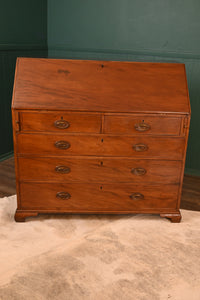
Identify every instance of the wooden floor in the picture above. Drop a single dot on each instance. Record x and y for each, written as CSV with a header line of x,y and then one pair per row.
x,y
190,196
7,177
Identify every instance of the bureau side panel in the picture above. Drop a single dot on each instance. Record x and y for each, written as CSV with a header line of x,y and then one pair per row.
x,y
16,128
185,131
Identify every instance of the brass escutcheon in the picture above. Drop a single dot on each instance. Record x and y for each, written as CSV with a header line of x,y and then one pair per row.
x,y
142,126
138,171
140,147
61,124
62,144
62,169
137,196
63,195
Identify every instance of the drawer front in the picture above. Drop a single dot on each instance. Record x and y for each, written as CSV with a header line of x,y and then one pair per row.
x,y
60,122
142,125
101,145
98,170
97,197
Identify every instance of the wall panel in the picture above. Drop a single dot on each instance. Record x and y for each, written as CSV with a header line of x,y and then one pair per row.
x,y
133,30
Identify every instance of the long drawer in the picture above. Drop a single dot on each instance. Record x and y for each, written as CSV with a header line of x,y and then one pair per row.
x,y
99,169
97,197
101,145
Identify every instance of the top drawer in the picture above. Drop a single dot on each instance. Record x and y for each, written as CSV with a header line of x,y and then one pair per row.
x,y
60,122
142,124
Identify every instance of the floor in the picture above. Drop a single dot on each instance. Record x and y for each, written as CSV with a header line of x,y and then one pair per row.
x,y
190,196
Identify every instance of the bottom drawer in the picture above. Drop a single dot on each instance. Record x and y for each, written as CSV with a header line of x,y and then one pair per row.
x,y
96,197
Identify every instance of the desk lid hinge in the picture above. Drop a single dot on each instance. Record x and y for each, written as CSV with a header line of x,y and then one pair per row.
x,y
185,125
17,122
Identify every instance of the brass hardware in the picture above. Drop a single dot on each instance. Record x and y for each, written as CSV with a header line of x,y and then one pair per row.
x,y
137,196
62,145
142,127
138,171
63,195
62,169
61,124
140,147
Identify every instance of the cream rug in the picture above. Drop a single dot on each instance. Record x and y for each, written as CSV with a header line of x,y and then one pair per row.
x,y
98,257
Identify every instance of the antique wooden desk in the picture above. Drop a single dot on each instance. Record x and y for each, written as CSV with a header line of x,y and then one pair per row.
x,y
99,137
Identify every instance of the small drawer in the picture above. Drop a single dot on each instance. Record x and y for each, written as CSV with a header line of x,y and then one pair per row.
x,y
60,122
140,125
169,148
97,197
99,169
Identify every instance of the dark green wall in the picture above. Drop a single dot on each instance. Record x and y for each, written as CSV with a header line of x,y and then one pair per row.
x,y
23,32
134,30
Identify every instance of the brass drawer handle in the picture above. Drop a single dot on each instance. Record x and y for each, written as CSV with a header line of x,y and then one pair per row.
x,y
62,145
62,169
138,171
63,195
142,127
137,196
61,124
140,147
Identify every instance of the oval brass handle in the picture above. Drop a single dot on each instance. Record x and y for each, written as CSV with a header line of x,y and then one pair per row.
x,y
142,127
62,144
63,195
62,169
138,171
137,196
61,124
140,147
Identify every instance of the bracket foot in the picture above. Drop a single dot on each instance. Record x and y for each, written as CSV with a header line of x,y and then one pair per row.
x,y
174,217
20,216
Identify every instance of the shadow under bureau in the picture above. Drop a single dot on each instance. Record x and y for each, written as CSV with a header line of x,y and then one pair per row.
x,y
99,137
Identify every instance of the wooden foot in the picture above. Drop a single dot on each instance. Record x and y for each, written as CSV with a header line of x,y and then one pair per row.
x,y
20,216
174,217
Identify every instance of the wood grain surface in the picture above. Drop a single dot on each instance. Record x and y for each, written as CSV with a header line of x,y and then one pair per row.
x,y
99,169
100,86
77,122
98,145
100,137
132,124
97,197
190,198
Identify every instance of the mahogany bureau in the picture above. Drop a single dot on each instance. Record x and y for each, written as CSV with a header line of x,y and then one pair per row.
x,y
99,137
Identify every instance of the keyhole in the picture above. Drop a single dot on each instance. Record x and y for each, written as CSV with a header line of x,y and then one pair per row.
x,y
102,66
101,163
61,118
101,187
102,140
